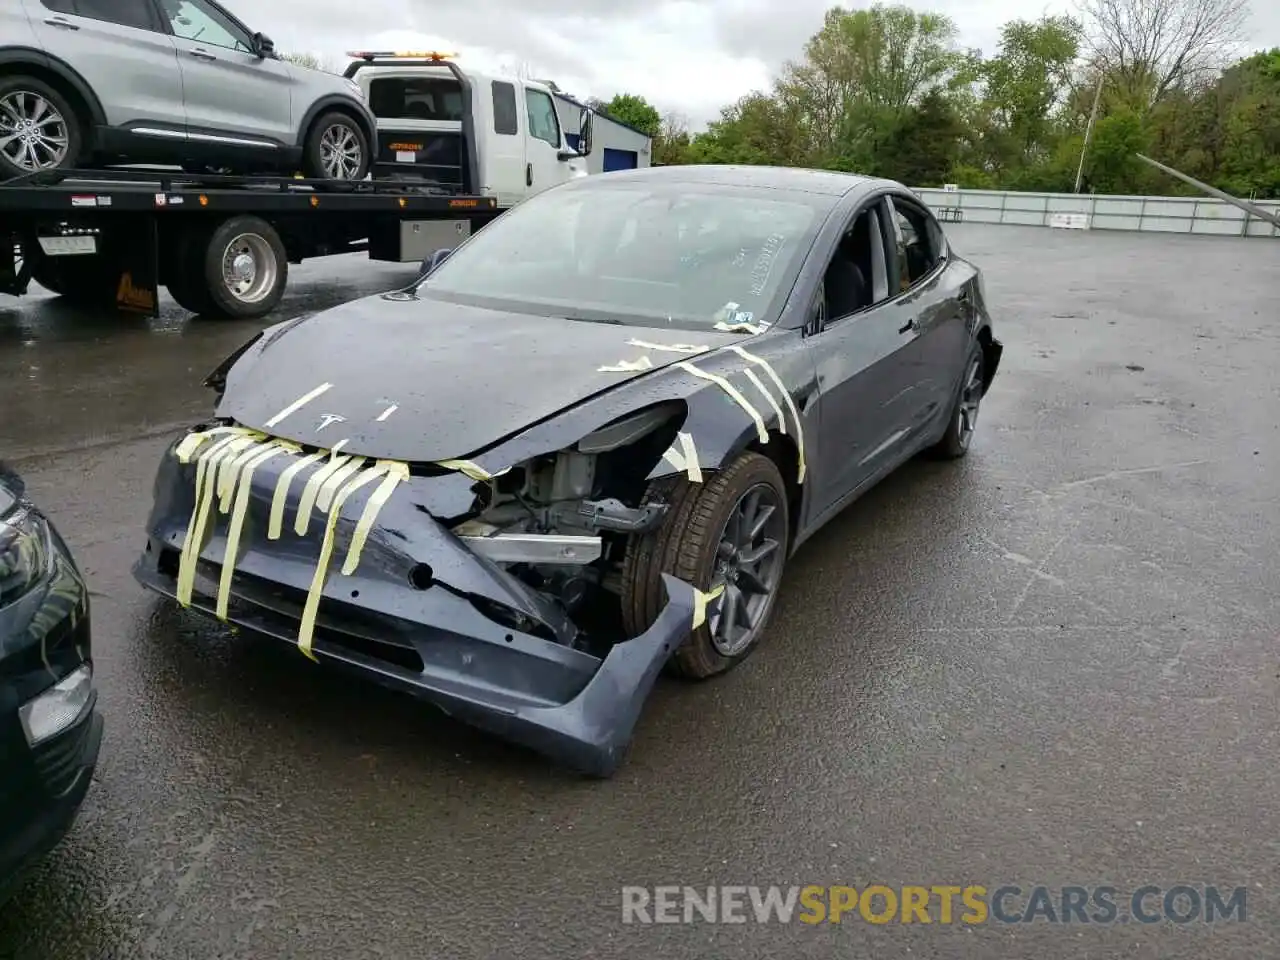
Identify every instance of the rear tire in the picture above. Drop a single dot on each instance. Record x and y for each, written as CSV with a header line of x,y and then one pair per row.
x,y
47,132
238,270
336,149
690,545
962,420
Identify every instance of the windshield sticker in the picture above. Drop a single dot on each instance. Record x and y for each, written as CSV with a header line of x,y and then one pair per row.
x,y
764,263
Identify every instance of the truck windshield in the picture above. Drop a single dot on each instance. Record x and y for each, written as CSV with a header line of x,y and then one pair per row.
x,y
683,254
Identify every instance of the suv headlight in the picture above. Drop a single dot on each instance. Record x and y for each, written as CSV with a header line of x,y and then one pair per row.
x,y
58,707
24,553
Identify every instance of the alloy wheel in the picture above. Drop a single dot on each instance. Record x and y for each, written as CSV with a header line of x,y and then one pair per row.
x,y
970,400
748,567
340,152
33,132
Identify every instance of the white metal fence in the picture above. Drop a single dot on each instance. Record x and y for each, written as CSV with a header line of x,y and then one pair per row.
x,y
1099,212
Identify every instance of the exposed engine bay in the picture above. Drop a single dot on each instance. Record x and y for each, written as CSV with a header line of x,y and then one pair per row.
x,y
561,523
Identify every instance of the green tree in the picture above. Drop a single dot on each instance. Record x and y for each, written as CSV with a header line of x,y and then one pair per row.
x,y
635,111
758,129
1026,84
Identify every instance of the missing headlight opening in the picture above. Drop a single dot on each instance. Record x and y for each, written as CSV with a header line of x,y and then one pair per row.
x,y
561,522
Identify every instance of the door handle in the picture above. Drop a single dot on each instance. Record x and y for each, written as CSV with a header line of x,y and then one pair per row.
x,y
203,54
528,174
60,22
910,324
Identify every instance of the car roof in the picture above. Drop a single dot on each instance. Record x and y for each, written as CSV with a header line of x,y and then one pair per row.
x,y
824,182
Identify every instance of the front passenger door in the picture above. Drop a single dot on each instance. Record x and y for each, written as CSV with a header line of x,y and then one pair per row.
x,y
233,96
864,388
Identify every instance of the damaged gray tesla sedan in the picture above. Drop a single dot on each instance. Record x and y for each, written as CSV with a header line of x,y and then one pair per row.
x,y
582,447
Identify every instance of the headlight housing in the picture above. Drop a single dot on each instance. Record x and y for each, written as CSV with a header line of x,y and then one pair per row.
x,y
57,708
24,553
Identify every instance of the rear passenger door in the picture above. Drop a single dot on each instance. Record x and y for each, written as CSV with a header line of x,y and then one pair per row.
x,y
932,300
121,49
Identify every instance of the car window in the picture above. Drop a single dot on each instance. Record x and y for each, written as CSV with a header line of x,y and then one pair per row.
x,y
504,109
917,248
688,255
417,98
856,277
60,6
126,13
543,123
197,20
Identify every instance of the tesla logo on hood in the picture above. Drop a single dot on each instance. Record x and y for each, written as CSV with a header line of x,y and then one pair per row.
x,y
328,419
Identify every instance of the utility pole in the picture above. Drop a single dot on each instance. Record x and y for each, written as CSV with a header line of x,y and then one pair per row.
x,y
1088,131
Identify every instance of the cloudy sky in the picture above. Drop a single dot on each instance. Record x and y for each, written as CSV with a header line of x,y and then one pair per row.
x,y
690,56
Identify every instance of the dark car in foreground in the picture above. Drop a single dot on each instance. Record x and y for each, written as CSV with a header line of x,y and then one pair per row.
x,y
50,731
582,447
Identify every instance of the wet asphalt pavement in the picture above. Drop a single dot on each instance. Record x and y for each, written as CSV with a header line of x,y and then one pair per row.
x,y
1056,662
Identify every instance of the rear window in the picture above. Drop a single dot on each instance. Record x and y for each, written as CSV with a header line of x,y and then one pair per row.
x,y
415,98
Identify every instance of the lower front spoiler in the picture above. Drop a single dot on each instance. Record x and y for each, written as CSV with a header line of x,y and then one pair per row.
x,y
589,733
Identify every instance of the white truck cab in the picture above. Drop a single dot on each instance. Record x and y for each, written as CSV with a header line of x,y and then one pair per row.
x,y
463,131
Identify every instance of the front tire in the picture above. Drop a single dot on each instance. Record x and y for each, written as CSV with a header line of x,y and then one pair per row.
x,y
730,534
39,129
963,418
336,149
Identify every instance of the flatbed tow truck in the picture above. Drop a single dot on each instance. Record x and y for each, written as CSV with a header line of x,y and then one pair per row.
x,y
220,245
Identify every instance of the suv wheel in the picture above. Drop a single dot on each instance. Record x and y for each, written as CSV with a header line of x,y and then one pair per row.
x,y
336,149
39,130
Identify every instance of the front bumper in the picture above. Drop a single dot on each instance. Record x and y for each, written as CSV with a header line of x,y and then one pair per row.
x,y
41,795
439,642
44,637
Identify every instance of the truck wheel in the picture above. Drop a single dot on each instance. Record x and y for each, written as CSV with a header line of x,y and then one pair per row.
x,y
243,266
39,130
726,536
336,149
183,270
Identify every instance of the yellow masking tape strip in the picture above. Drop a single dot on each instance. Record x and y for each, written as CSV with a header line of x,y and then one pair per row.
x,y
298,404
207,463
669,347
236,524
466,467
276,521
312,490
782,420
188,445
627,366
732,391
786,397
223,471
393,473
230,476
335,482
306,628
700,601
691,458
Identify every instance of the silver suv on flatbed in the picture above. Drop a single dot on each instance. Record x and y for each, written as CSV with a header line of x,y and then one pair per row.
x,y
88,82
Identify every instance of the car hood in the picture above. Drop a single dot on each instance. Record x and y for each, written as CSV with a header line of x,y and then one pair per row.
x,y
426,380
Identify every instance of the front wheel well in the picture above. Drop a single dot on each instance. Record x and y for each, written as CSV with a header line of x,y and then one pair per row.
x,y
83,115
347,111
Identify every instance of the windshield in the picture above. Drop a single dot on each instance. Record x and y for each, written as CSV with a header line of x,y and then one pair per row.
x,y
683,254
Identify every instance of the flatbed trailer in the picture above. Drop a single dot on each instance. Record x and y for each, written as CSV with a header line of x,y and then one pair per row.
x,y
220,245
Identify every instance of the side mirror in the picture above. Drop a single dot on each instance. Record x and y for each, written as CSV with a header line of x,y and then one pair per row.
x,y
263,45
586,120
430,263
